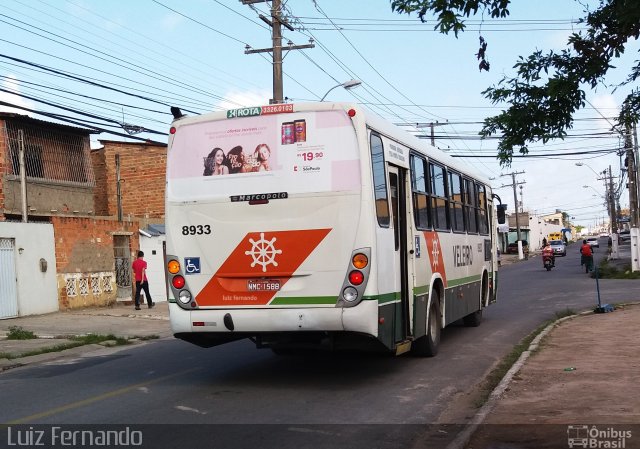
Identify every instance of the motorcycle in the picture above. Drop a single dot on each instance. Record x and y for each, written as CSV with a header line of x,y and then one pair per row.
x,y
547,262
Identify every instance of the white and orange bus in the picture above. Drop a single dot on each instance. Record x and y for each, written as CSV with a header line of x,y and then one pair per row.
x,y
310,224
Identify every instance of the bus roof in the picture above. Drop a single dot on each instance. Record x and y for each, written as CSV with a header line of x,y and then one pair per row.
x,y
372,119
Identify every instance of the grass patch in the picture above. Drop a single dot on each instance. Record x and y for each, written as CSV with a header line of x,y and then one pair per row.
x,y
148,337
18,333
611,271
565,313
497,374
74,342
91,339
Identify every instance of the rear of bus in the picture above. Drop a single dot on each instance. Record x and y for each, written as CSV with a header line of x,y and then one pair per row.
x,y
264,231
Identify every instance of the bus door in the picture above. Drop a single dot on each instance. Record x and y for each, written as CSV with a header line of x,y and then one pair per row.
x,y
398,194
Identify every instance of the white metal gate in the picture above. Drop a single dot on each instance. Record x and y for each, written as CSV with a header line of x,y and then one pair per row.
x,y
123,266
8,288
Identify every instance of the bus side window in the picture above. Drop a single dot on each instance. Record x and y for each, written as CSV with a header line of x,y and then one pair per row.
x,y
379,181
439,197
471,204
483,223
457,208
419,188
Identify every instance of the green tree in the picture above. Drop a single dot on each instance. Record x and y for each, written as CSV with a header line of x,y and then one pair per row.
x,y
548,87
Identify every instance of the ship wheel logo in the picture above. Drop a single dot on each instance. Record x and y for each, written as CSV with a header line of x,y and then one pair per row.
x,y
435,253
263,252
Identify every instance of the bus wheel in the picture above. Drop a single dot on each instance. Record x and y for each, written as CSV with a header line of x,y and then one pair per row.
x,y
473,319
427,345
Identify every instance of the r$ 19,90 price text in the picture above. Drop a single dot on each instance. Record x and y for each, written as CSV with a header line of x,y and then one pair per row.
x,y
310,155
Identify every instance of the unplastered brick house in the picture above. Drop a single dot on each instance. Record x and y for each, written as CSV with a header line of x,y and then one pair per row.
x,y
61,250
130,180
130,183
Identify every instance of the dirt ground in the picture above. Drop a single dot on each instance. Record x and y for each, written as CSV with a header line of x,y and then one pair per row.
x,y
586,375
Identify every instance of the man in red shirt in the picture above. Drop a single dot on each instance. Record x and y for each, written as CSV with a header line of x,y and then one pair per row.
x,y
140,272
586,255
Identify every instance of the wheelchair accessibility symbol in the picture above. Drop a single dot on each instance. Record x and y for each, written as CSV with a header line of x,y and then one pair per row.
x,y
192,265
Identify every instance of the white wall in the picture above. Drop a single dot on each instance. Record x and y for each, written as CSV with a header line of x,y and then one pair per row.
x,y
37,291
539,230
155,266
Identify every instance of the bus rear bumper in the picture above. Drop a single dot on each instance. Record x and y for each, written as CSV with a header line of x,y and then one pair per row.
x,y
362,318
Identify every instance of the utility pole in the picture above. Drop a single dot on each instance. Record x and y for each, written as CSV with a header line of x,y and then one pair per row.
x,y
632,170
23,176
118,188
515,184
521,200
633,173
276,23
611,201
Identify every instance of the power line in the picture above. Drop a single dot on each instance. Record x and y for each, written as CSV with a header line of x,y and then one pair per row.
x,y
91,98
84,80
69,120
174,52
64,108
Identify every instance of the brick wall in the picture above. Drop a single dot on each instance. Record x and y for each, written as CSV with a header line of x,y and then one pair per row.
x,y
85,250
142,174
100,193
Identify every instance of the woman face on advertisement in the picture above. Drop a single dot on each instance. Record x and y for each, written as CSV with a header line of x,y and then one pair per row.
x,y
263,153
219,156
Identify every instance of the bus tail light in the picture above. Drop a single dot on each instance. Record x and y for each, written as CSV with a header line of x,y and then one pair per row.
x,y
356,277
355,281
173,266
350,294
184,296
178,284
178,281
360,261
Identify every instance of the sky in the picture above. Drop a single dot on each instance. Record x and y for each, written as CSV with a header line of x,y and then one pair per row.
x,y
125,62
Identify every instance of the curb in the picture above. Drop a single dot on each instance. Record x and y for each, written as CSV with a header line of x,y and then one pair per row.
x,y
7,364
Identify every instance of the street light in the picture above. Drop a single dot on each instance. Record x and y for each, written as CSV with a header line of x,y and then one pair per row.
x,y
580,164
347,85
589,187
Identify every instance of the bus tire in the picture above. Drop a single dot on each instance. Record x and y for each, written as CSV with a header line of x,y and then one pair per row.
x,y
427,345
473,319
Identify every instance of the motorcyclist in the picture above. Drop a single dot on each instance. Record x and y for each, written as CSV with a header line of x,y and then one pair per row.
x,y
547,252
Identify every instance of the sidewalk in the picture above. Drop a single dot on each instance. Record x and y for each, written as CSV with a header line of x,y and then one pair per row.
x,y
582,373
52,328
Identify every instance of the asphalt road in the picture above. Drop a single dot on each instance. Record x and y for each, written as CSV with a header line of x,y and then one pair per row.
x,y
344,400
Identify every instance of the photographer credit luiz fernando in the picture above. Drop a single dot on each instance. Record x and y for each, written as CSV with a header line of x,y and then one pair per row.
x,y
72,436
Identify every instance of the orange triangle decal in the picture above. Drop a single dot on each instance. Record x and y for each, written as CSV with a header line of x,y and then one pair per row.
x,y
259,266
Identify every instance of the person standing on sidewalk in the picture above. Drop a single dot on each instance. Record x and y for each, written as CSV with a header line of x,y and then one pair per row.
x,y
140,271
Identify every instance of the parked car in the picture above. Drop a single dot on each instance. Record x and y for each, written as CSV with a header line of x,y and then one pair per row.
x,y
593,242
512,248
559,248
624,236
